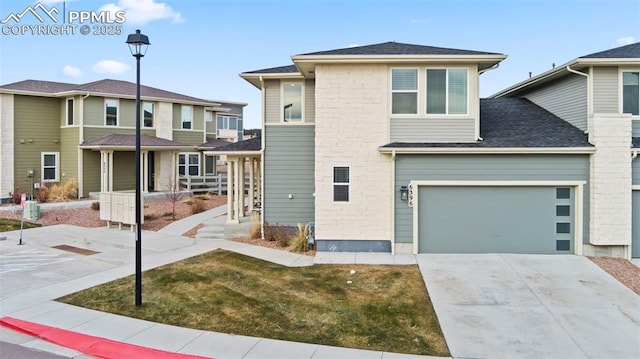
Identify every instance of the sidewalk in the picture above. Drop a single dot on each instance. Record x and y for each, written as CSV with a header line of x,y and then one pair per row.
x,y
34,274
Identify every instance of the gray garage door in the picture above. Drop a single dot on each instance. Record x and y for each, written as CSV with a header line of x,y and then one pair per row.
x,y
635,236
495,219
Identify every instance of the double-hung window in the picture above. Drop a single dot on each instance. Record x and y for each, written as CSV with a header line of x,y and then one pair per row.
x,y
341,184
447,91
404,91
147,110
187,117
50,166
70,112
631,92
292,102
189,164
110,112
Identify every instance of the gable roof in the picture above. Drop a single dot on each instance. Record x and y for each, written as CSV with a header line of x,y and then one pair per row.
x,y
128,142
513,123
108,87
622,52
396,48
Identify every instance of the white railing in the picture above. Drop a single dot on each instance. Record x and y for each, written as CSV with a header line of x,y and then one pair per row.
x,y
214,184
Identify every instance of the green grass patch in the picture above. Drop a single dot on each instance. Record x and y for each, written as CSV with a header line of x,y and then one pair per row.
x,y
384,308
7,225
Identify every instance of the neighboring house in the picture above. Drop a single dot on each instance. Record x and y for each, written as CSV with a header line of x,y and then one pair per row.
x,y
388,148
599,93
52,132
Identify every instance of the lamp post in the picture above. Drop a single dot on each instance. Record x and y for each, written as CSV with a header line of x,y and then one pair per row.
x,y
138,44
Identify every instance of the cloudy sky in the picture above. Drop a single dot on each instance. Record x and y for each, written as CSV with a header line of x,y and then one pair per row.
x,y
200,47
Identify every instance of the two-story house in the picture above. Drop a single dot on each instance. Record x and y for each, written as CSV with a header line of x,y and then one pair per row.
x,y
52,132
389,148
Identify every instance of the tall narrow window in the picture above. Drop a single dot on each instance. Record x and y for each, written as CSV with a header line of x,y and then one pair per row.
x,y
447,91
404,91
187,117
631,93
292,102
341,184
147,114
111,112
70,119
49,166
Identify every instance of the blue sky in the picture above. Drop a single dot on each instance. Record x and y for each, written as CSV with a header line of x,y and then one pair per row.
x,y
199,47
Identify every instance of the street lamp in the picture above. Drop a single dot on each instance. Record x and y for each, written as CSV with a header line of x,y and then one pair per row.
x,y
138,44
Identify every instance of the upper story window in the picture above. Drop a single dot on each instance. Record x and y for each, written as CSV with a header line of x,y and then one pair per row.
x,y
225,122
187,117
70,118
110,112
292,102
404,91
147,114
631,92
447,91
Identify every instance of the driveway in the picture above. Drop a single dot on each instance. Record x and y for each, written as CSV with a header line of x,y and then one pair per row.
x,y
531,306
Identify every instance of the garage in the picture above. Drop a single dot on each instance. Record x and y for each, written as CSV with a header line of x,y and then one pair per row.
x,y
635,225
514,218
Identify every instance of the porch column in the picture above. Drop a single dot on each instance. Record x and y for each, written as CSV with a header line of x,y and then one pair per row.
x,y
230,194
106,171
145,171
259,181
252,184
241,166
236,190
174,184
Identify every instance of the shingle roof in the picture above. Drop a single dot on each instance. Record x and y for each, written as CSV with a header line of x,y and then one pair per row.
x,y
276,70
622,52
107,86
516,123
125,140
213,143
397,48
250,145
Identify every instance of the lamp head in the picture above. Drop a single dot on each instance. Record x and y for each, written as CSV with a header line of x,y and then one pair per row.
x,y
138,44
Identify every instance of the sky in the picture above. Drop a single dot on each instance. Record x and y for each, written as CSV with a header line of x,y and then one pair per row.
x,y
199,48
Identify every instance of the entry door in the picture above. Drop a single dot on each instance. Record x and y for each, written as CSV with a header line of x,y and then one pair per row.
x,y
151,171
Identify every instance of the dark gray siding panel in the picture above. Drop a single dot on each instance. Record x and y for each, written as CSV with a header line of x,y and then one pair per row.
x,y
484,168
635,171
289,169
565,98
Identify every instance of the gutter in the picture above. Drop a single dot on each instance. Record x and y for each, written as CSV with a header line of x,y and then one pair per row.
x,y
478,151
262,159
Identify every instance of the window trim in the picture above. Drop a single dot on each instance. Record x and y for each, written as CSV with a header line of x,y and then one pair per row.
x,y
302,102
621,90
342,184
117,101
187,165
73,111
153,115
182,121
417,92
56,166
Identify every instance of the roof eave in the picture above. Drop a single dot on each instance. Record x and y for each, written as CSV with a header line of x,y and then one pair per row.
x,y
233,153
132,148
485,150
256,78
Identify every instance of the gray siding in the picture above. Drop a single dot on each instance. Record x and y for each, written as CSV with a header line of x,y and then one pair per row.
x,y
635,171
565,98
432,130
272,101
483,168
289,169
309,101
635,128
605,90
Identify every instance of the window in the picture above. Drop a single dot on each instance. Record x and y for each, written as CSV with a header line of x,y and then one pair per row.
x,y
189,164
187,117
631,92
224,122
208,116
447,91
147,114
50,166
341,184
292,102
404,91
111,112
209,165
69,112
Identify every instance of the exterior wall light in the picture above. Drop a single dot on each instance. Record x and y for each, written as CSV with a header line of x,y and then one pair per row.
x,y
404,193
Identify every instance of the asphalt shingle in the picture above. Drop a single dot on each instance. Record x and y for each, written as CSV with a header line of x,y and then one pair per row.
x,y
124,140
631,51
397,48
250,145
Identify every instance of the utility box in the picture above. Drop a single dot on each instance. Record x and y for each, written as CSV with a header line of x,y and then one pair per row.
x,y
31,210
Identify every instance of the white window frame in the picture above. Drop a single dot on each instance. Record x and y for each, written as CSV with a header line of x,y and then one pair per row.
x,y
446,104
342,184
416,91
282,104
117,111
187,164
56,166
73,112
153,114
182,117
621,89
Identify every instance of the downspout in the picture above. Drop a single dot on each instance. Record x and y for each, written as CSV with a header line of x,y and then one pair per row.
x,y
262,151
80,141
478,138
588,92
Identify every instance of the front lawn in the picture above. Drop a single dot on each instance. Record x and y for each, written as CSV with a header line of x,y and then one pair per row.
x,y
383,308
7,225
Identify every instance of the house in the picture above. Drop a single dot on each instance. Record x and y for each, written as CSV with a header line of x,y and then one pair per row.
x,y
389,148
52,132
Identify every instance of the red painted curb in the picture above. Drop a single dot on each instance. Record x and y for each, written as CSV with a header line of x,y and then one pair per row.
x,y
90,345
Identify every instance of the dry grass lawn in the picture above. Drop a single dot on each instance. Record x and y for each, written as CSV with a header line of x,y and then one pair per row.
x,y
385,308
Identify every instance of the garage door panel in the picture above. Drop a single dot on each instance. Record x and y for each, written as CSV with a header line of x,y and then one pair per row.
x,y
491,219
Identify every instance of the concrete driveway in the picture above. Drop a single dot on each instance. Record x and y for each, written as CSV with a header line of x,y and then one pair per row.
x,y
531,306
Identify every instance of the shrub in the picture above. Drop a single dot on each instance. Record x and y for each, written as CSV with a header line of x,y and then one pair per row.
x,y
63,192
43,194
95,206
198,206
277,233
16,195
298,242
